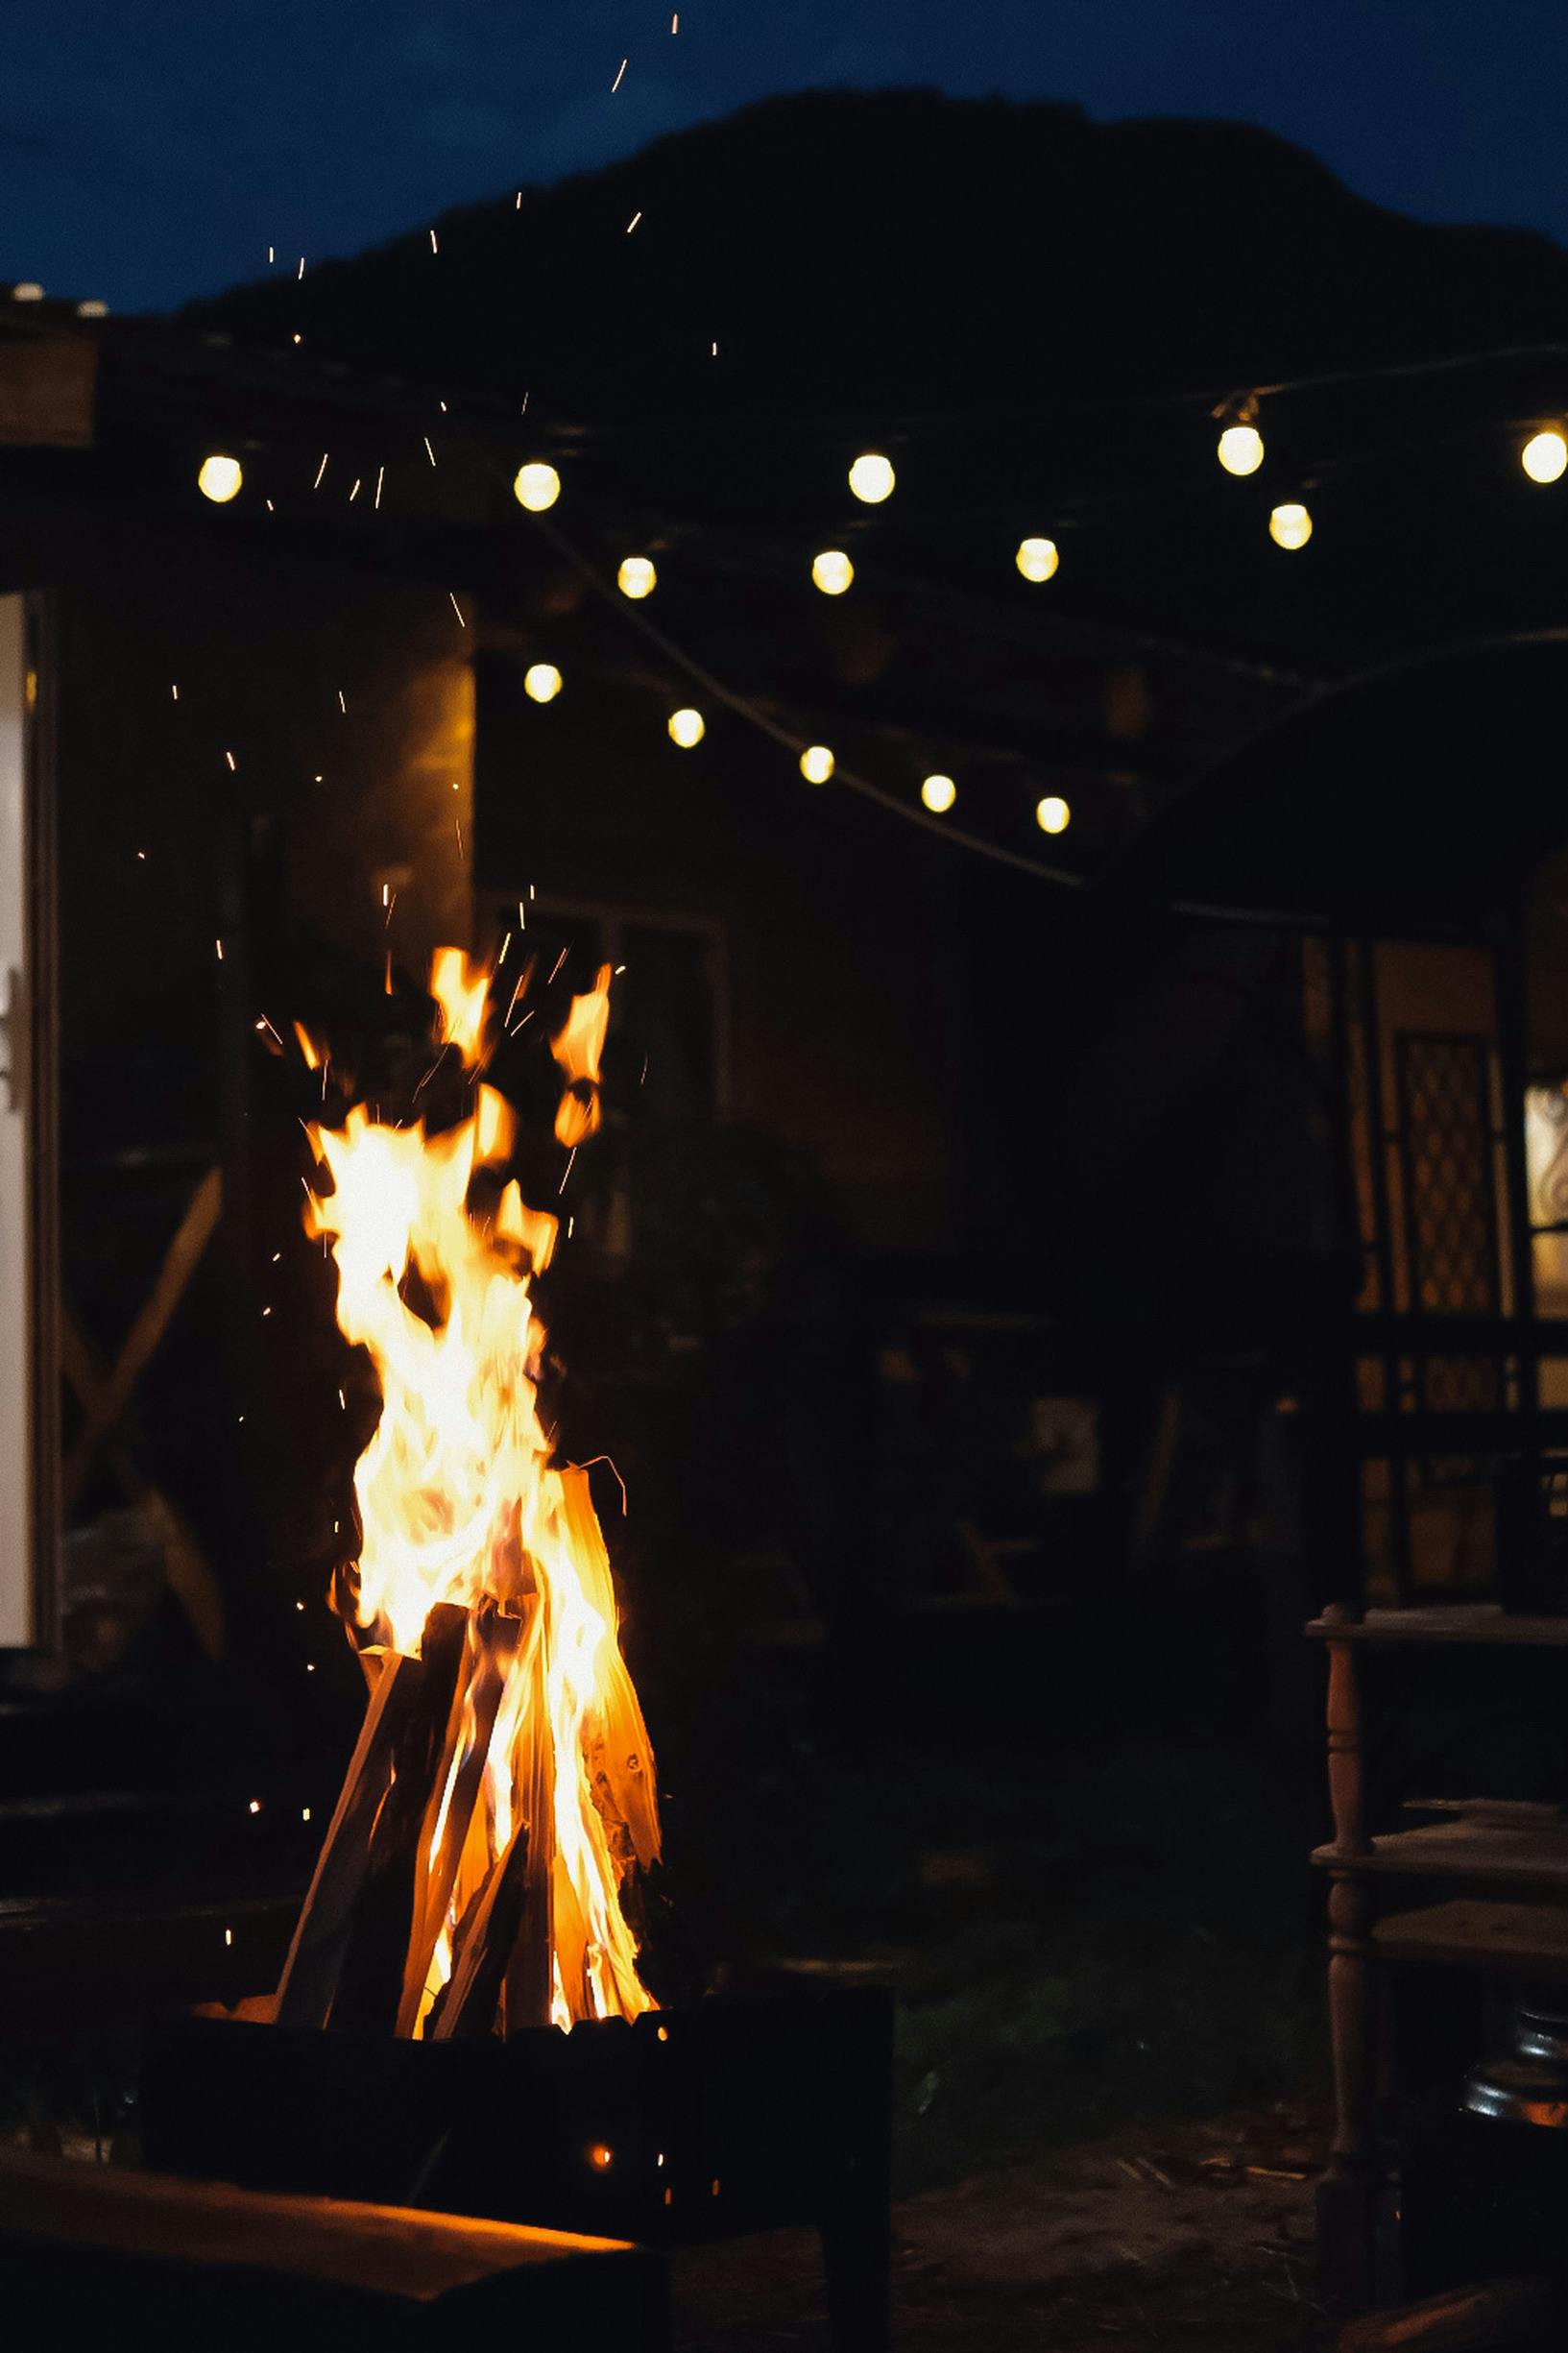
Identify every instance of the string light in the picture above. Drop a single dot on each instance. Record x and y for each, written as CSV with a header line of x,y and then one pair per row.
x,y
1052,815
1240,448
537,486
687,728
871,479
816,763
220,479
832,572
938,792
1289,526
1037,558
542,682
637,578
1545,455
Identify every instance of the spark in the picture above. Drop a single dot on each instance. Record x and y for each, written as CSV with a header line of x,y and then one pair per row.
x,y
517,206
270,256
428,451
441,405
457,608
343,702
567,1171
276,1255
380,473
265,1313
299,1605
434,247
305,1816
620,78
265,1024
522,1024
675,24
271,509
505,944
175,691
299,338
311,1667
633,222
255,1806
559,961
321,470
343,1400
228,1936
354,493
232,763
142,855
523,916
457,827
522,983
299,274
218,944
571,1223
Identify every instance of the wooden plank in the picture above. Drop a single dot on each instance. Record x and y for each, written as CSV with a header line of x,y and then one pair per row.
x,y
100,2238
1460,1622
1468,1932
1456,1849
1497,2314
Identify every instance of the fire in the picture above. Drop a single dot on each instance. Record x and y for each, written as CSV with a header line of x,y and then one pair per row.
x,y
481,1600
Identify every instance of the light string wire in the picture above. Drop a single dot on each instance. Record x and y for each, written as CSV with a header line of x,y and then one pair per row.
x,y
743,707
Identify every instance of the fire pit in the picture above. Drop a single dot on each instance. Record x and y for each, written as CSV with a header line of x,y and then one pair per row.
x,y
462,2022
733,2114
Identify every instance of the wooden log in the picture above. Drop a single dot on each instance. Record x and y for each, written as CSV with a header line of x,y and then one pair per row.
x,y
529,1977
370,1975
490,1654
482,1951
309,1980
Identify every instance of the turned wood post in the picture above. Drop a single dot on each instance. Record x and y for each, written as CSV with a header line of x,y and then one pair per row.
x,y
1348,2193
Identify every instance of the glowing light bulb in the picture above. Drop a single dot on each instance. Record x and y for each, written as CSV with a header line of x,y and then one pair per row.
x,y
1052,815
816,763
687,728
1037,558
542,682
938,792
1240,448
220,479
637,578
537,486
1291,525
871,479
833,571
1544,455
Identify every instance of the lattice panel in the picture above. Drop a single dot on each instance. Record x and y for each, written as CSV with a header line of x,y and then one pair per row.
x,y
1446,1147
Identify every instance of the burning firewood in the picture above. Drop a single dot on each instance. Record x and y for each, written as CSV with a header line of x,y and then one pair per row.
x,y
501,1793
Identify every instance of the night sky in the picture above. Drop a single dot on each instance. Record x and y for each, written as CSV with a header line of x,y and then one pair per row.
x,y
153,151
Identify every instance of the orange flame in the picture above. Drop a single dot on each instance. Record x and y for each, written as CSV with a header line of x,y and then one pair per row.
x,y
460,1504
577,1050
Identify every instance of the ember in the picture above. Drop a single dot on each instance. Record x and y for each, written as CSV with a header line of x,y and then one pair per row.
x,y
501,1794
